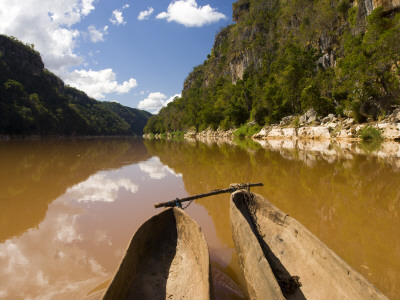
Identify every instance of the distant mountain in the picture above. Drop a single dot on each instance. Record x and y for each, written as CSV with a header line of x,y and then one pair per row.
x,y
283,57
136,118
34,101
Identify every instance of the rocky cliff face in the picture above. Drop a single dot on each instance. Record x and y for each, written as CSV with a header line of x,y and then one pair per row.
x,y
388,5
239,9
283,57
233,61
230,56
28,60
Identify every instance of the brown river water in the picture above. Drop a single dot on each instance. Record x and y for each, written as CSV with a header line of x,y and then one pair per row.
x,y
68,208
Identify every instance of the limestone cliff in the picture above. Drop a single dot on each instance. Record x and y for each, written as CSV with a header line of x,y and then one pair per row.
x,y
388,5
28,58
234,50
283,57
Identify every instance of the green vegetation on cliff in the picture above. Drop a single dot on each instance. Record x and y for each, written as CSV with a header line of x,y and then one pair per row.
x,y
33,101
283,57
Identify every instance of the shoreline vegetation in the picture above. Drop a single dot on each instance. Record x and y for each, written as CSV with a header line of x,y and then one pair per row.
x,y
281,59
305,127
330,137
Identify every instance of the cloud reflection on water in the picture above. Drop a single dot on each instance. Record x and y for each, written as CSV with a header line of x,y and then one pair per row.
x,y
50,260
155,169
47,261
100,188
84,234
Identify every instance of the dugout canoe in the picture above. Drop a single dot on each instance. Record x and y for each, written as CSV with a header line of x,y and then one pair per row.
x,y
167,258
268,240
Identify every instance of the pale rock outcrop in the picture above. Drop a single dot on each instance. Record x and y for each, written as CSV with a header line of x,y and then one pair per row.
x,y
311,113
262,134
359,127
332,125
219,133
311,119
190,134
320,132
387,4
289,132
345,129
349,121
326,120
396,115
390,131
287,120
327,60
276,133
345,134
282,133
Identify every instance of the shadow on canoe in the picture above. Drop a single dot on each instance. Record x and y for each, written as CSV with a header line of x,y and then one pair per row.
x,y
281,259
167,258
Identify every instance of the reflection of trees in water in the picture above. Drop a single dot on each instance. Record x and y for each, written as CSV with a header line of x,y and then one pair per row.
x,y
351,205
35,173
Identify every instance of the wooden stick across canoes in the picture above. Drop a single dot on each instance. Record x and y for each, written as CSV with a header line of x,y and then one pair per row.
x,y
231,189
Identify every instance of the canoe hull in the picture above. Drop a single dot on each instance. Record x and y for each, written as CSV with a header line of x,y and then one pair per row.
x,y
167,258
295,253
260,280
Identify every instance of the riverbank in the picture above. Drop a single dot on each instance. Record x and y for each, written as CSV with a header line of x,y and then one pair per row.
x,y
311,127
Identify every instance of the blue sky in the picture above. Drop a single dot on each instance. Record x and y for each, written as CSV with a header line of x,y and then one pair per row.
x,y
136,52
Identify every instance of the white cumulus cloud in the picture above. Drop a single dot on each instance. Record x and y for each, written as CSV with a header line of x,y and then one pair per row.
x,y
98,83
155,101
96,35
144,15
189,14
47,25
117,18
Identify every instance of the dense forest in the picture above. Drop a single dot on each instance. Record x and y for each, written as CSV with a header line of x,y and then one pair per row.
x,y
283,57
33,101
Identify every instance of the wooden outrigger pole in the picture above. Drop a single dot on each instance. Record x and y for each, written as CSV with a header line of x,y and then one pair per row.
x,y
231,189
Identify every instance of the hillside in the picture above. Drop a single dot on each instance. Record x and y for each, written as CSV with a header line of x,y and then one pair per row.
x,y
283,57
33,101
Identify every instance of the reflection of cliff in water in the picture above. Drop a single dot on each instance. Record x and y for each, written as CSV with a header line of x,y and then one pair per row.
x,y
350,204
35,173
311,150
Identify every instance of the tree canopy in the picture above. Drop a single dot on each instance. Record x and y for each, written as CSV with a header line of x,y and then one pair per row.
x,y
323,54
33,101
